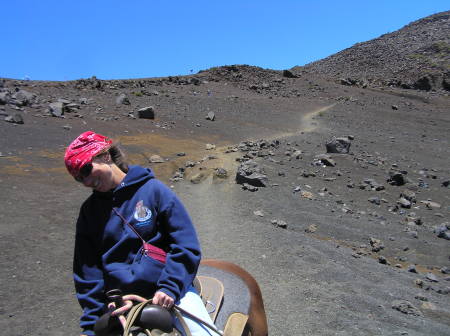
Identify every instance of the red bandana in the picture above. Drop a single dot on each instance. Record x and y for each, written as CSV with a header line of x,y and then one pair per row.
x,y
83,149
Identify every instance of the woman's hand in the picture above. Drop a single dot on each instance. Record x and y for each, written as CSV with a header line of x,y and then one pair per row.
x,y
119,312
163,300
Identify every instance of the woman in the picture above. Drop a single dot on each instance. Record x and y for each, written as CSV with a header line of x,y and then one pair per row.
x,y
132,234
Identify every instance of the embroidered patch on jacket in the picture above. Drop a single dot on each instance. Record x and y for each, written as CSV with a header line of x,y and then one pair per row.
x,y
142,213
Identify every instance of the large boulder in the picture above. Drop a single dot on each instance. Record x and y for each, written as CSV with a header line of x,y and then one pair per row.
x,y
24,98
57,109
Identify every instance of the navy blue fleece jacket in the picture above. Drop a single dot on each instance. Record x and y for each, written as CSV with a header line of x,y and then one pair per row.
x,y
108,254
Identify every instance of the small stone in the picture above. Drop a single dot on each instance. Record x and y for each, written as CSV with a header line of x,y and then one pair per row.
x,y
412,269
279,223
221,173
406,307
156,159
418,282
404,203
122,99
258,213
210,146
375,200
249,187
307,194
382,260
421,298
394,107
376,244
67,127
311,229
325,160
211,116
396,178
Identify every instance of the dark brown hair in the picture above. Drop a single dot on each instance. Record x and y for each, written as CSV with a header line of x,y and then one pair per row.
x,y
118,157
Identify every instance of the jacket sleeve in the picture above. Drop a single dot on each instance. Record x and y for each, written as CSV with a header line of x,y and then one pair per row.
x,y
183,257
88,277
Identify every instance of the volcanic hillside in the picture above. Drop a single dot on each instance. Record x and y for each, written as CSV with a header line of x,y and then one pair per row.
x,y
414,57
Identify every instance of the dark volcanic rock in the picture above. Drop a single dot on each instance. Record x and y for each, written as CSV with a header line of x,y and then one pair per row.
x,y
249,172
396,178
146,113
288,74
338,145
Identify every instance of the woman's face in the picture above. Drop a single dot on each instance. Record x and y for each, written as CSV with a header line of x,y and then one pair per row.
x,y
101,176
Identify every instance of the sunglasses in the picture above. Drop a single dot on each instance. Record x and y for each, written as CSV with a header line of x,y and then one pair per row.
x,y
85,171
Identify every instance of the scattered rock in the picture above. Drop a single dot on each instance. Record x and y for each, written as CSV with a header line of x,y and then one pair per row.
x,y
375,200
307,194
221,173
376,244
5,96
211,116
15,118
156,159
23,98
279,223
338,145
311,229
412,269
249,172
396,178
122,99
382,260
404,203
258,213
57,109
146,113
406,307
323,159
210,146
249,187
431,277
445,270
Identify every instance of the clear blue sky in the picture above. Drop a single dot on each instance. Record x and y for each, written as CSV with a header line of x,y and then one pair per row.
x,y
110,39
